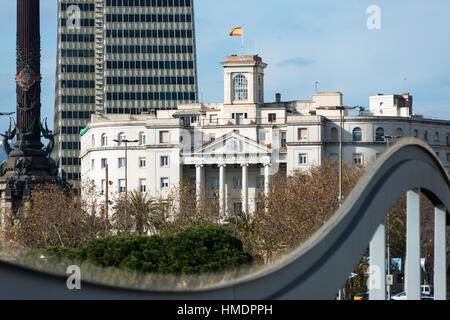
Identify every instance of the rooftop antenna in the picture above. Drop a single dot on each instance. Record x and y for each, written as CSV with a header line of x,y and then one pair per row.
x,y
315,85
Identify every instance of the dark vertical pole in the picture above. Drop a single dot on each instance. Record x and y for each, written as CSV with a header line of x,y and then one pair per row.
x,y
340,154
126,170
106,199
28,73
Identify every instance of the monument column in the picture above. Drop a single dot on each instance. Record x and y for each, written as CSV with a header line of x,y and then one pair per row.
x,y
28,78
27,164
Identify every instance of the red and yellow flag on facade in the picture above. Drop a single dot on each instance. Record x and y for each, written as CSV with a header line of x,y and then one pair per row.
x,y
236,32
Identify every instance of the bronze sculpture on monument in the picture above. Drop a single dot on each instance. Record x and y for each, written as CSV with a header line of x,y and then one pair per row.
x,y
28,164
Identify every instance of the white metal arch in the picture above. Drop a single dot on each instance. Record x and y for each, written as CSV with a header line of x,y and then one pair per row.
x,y
316,270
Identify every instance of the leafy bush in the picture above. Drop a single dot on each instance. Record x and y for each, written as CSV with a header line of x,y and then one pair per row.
x,y
195,250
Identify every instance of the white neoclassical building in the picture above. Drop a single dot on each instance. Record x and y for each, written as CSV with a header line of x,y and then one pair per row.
x,y
236,146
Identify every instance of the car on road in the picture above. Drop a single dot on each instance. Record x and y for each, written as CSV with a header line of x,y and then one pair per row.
x,y
361,296
402,296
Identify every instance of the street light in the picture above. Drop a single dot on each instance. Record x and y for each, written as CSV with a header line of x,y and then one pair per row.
x,y
388,249
126,161
341,125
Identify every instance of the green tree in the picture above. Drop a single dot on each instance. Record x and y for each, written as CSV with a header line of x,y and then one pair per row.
x,y
138,213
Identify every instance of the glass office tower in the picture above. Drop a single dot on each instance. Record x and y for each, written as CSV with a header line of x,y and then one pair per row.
x,y
121,57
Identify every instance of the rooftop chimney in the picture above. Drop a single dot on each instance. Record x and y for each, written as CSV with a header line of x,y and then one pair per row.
x,y
278,97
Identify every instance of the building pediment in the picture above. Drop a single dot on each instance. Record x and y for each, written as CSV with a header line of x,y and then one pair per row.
x,y
233,143
230,148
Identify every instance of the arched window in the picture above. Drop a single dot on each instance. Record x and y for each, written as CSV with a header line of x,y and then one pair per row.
x,y
425,135
357,134
448,139
334,134
104,141
121,138
379,135
93,141
142,138
399,132
240,88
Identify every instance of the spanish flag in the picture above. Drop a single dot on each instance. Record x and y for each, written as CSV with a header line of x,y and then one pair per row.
x,y
236,32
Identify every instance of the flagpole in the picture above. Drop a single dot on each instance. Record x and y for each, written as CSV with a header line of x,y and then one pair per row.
x,y
242,38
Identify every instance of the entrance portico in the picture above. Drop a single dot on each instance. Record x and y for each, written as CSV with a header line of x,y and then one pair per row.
x,y
226,154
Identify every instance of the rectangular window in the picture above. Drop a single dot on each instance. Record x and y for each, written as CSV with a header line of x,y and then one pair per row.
x,y
303,158
237,182
103,187
215,183
164,137
302,134
142,162
283,139
272,117
143,185
122,162
121,185
92,164
239,118
192,183
260,182
104,163
142,139
164,182
164,161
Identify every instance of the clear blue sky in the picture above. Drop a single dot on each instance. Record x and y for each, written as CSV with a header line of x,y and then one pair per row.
x,y
302,41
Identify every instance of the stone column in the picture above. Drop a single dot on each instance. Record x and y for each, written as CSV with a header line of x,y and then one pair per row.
x,y
222,195
412,267
199,181
266,184
440,254
266,179
245,188
377,268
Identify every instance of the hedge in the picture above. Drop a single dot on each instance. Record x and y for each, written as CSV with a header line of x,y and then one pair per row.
x,y
195,250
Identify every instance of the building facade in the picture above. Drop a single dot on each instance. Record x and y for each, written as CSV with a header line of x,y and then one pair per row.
x,y
235,147
119,57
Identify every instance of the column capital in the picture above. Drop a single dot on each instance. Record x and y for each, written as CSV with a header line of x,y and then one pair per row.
x,y
267,164
245,164
199,165
221,165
